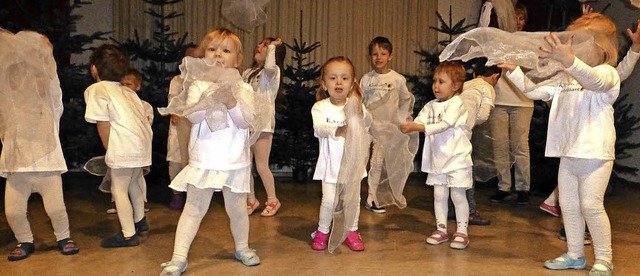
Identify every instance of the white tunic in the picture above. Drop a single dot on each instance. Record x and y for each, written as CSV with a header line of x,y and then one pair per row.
x,y
130,133
446,144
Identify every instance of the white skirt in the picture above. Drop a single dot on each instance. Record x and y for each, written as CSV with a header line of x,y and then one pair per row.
x,y
236,180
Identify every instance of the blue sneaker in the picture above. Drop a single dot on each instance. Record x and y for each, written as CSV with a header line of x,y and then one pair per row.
x,y
566,262
248,257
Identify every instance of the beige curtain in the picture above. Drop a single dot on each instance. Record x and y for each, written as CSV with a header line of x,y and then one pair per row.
x,y
344,27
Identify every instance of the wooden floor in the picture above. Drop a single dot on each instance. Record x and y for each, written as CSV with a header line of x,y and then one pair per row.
x,y
519,240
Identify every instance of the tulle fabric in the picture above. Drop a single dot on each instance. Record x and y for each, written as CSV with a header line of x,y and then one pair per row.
x,y
506,15
246,14
523,49
393,151
227,83
31,99
354,163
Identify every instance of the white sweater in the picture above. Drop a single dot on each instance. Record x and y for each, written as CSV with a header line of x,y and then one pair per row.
x,y
581,118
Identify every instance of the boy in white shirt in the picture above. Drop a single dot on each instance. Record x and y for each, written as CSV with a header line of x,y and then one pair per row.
x,y
126,134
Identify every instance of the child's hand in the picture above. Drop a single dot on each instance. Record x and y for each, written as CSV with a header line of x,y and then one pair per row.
x,y
635,38
230,102
586,9
409,127
556,50
277,42
508,66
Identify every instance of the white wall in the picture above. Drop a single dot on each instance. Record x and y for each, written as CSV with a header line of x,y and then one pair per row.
x,y
97,16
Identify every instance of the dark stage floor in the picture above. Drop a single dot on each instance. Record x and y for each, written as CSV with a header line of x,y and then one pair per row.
x,y
520,239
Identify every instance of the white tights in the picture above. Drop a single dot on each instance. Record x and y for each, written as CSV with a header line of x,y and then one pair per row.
x,y
581,186
441,207
19,187
128,189
197,205
327,207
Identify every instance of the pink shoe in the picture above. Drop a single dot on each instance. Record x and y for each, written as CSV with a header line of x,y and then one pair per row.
x,y
354,242
553,210
319,240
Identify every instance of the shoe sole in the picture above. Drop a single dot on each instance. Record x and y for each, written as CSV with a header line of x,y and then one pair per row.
x,y
549,212
377,211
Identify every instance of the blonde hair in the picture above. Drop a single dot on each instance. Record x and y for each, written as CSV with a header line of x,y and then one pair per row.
x,y
218,36
604,34
455,71
322,94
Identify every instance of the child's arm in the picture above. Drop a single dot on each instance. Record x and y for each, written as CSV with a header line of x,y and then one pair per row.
x,y
193,95
521,82
449,118
597,79
321,129
625,67
486,104
104,127
270,80
485,14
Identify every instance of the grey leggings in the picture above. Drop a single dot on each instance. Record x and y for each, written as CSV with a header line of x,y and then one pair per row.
x,y
196,207
19,187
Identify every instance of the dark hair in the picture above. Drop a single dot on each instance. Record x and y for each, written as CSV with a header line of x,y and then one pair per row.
x,y
322,94
281,53
135,73
382,42
111,63
481,69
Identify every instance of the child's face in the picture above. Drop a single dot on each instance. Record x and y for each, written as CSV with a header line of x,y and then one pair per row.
x,y
224,53
520,21
443,87
338,81
380,59
132,82
260,53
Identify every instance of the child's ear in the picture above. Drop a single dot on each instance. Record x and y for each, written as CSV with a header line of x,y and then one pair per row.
x,y
94,72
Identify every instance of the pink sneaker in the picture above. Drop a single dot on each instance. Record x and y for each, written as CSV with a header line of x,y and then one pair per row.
x,y
319,240
553,210
354,242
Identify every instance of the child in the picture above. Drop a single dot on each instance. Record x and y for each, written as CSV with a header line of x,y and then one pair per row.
x,y
268,58
219,158
31,158
581,132
125,132
342,137
386,96
447,151
132,80
478,97
178,138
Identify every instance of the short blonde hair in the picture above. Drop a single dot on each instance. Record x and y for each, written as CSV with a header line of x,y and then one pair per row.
x,y
219,35
604,34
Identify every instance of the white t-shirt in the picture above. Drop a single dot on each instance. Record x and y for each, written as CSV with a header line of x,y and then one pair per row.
x,y
446,144
478,97
326,120
130,134
581,122
390,90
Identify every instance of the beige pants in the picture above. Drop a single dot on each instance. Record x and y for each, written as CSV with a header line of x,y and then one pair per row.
x,y
18,189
